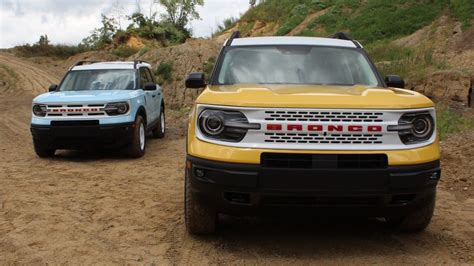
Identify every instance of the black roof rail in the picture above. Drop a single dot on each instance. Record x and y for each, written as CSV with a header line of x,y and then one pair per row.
x,y
345,36
235,35
83,62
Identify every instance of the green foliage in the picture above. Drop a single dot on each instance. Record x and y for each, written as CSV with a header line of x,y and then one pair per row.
x,y
164,73
450,121
171,28
381,19
44,48
463,10
101,37
298,14
367,21
151,28
124,51
180,12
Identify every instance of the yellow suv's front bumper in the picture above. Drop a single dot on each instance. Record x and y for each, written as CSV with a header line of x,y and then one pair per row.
x,y
213,152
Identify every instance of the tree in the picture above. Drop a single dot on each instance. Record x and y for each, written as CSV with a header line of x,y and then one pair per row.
x,y
181,12
102,36
43,41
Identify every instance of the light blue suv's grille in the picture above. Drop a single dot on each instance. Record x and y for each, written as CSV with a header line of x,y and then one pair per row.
x,y
76,110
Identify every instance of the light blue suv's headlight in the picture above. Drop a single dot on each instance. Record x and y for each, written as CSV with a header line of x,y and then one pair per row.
x,y
119,108
40,110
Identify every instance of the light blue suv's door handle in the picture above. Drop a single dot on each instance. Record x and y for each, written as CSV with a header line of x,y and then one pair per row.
x,y
154,95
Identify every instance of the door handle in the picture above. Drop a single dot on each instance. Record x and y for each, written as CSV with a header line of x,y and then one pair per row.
x,y
154,95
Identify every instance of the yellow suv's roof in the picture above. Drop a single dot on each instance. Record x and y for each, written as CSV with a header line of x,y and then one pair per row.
x,y
313,41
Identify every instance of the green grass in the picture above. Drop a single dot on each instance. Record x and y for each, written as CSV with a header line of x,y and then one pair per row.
x,y
410,63
452,122
463,10
246,28
367,21
298,14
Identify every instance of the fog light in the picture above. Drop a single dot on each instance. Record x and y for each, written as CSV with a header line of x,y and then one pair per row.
x,y
199,172
435,176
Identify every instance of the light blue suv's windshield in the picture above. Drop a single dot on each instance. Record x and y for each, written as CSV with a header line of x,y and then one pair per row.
x,y
108,79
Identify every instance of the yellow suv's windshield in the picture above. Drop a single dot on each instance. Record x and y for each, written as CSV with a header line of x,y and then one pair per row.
x,y
295,65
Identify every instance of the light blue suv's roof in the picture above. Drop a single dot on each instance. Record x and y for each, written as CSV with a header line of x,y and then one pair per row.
x,y
314,41
110,65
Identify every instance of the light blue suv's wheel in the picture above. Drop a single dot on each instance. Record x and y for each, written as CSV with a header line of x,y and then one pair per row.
x,y
138,145
159,130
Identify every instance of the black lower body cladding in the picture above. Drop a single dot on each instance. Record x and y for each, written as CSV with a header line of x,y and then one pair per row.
x,y
81,135
372,189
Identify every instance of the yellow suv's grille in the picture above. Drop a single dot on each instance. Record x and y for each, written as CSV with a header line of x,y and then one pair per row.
x,y
323,116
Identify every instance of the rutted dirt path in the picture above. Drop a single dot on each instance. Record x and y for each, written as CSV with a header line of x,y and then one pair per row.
x,y
102,208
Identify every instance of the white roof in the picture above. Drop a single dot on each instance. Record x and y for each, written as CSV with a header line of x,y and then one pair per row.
x,y
110,65
313,41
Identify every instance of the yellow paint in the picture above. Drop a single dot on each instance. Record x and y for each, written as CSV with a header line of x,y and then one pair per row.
x,y
332,97
304,96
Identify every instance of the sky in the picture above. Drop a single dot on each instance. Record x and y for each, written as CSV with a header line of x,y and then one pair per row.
x,y
69,21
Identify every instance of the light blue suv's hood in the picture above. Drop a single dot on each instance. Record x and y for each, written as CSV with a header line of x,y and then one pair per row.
x,y
66,97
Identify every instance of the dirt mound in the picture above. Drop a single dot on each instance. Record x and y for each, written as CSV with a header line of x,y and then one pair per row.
x,y
449,41
451,87
184,59
90,56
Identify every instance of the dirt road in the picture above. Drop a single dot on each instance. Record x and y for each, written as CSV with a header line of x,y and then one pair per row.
x,y
101,208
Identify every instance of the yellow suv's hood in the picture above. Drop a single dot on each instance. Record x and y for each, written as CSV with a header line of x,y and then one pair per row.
x,y
313,96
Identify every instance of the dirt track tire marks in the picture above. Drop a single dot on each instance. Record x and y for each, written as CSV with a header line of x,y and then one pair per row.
x,y
29,78
101,208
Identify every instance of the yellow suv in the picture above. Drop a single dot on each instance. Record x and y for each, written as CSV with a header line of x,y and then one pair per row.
x,y
308,125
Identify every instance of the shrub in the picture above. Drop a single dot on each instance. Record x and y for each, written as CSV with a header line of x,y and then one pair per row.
x,y
124,51
59,51
164,73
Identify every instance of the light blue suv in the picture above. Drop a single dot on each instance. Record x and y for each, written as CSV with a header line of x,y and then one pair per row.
x,y
99,104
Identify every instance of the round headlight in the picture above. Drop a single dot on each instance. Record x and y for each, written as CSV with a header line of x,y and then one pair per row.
x,y
415,127
421,127
119,108
212,122
122,108
39,110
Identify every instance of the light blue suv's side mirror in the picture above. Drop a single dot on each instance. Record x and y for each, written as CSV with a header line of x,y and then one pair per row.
x,y
149,86
53,87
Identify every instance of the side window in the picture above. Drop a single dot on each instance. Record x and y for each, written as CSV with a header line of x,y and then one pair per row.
x,y
144,76
150,75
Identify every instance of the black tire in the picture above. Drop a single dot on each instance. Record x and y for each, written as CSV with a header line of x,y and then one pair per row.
x,y
136,149
159,131
43,152
199,219
415,222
